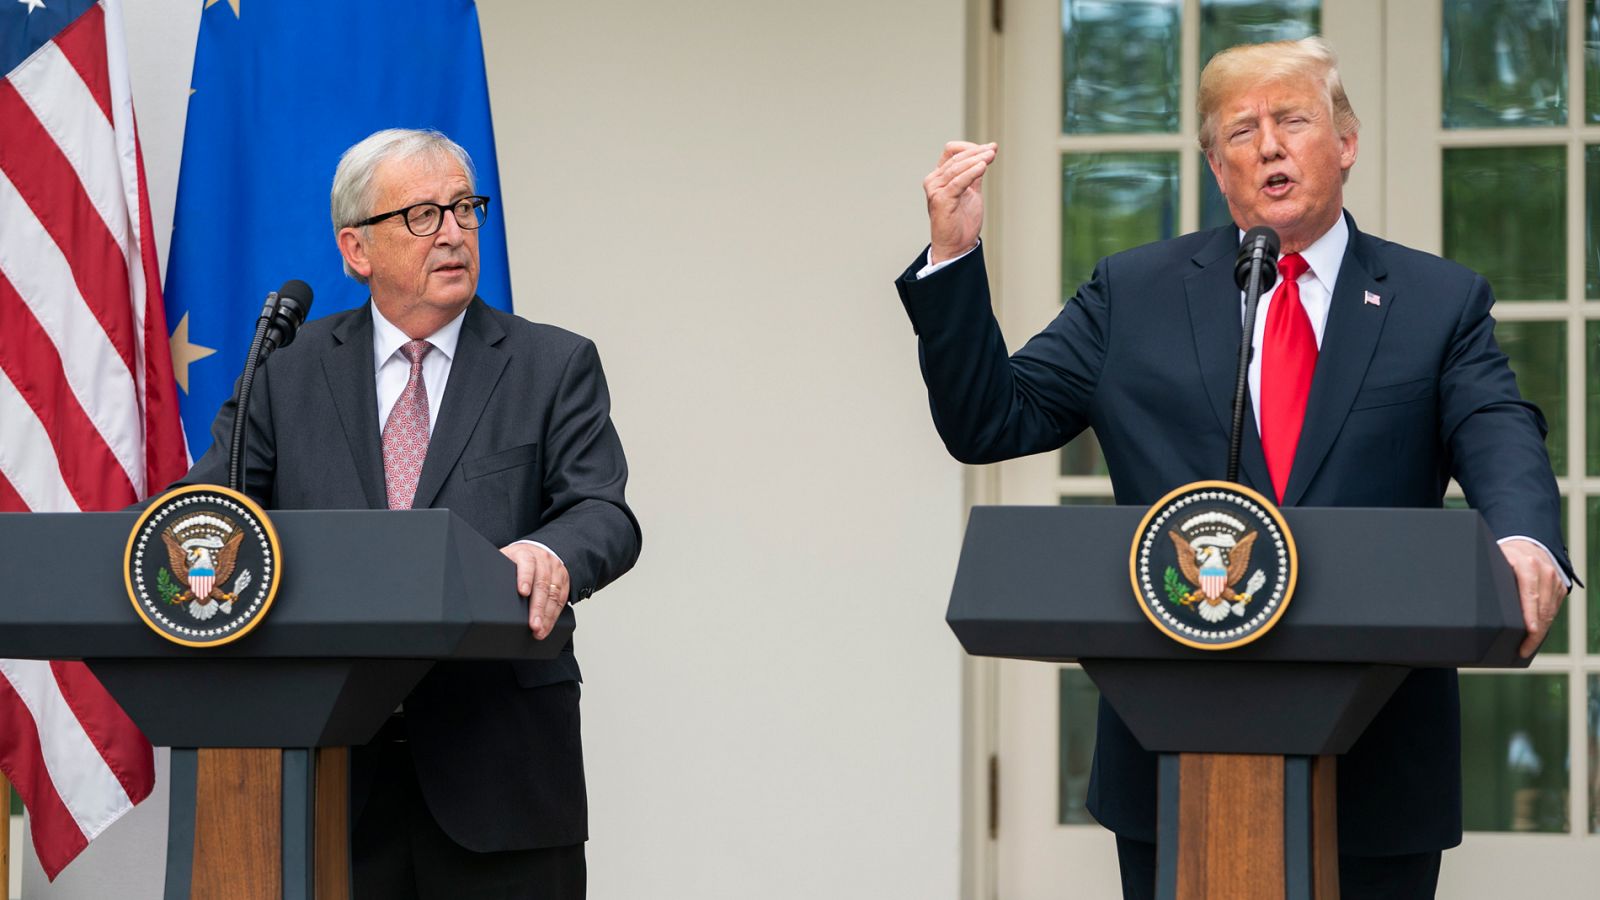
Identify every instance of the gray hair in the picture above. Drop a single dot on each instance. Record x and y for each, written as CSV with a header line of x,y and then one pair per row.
x,y
352,198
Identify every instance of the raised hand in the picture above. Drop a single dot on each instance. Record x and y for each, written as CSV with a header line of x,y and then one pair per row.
x,y
955,197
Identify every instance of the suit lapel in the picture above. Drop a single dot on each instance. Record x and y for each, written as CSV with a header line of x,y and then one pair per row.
x,y
352,381
474,372
1348,343
1214,317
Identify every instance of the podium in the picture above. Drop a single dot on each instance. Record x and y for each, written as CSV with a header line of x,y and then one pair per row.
x,y
1380,591
260,728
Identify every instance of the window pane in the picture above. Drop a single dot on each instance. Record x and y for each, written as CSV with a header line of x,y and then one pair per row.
x,y
1110,202
1514,752
1225,23
1591,345
1591,59
1505,211
1593,594
1591,220
1082,456
1538,352
1594,754
1087,500
1079,701
1119,66
1505,63
1213,206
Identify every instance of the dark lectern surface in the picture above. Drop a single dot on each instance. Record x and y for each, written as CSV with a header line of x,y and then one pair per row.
x,y
1412,587
370,599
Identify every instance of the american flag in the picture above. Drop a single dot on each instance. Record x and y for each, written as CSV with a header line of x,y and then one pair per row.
x,y
88,407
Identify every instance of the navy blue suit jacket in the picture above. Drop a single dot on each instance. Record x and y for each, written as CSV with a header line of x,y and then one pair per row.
x,y
1407,393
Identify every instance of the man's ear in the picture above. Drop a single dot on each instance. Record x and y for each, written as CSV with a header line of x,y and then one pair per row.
x,y
353,247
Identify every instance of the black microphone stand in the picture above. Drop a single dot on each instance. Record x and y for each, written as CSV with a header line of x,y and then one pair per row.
x,y
241,410
1259,252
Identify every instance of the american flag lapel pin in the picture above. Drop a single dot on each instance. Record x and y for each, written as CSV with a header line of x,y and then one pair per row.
x,y
1372,299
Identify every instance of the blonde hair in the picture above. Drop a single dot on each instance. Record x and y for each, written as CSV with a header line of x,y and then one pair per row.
x,y
1247,64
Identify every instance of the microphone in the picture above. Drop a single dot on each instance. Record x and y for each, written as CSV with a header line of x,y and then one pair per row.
x,y
280,318
1258,255
1258,251
294,301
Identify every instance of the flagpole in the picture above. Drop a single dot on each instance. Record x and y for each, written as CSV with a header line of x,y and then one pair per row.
x,y
5,838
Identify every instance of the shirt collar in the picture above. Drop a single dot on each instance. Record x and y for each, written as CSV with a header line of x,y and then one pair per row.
x,y
387,339
1326,254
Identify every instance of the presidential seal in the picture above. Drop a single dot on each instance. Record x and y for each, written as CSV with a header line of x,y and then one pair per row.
x,y
202,565
1213,565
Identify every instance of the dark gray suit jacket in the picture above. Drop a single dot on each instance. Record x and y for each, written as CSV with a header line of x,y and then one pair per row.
x,y
524,448
1408,391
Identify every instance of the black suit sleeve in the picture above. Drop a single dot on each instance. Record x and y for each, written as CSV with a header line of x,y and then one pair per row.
x,y
990,407
586,521
1495,438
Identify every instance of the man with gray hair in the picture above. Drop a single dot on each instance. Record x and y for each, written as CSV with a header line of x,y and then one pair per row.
x,y
1374,379
427,397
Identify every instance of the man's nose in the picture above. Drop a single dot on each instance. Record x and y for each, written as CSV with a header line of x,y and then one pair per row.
x,y
450,231
1267,141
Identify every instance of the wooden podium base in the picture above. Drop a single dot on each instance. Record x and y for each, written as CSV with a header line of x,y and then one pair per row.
x,y
1245,827
259,824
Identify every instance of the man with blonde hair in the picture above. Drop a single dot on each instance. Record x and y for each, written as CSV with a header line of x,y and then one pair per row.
x,y
1374,379
428,397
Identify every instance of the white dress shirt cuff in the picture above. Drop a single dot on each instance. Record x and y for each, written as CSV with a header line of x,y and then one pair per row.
x,y
558,556
931,267
1553,561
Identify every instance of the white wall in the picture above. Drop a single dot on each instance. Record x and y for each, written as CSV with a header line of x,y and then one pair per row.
x,y
720,193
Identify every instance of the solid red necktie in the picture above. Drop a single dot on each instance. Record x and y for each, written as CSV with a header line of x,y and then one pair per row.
x,y
405,434
1289,356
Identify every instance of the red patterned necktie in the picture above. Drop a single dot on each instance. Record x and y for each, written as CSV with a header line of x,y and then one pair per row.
x,y
405,434
1289,356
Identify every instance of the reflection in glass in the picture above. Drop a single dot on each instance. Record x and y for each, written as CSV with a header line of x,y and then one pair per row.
x,y
1514,756
1505,211
1594,754
1087,500
1213,206
1119,66
1591,221
1111,202
1082,456
1538,352
1225,23
1080,700
1593,596
1591,443
1591,59
1505,63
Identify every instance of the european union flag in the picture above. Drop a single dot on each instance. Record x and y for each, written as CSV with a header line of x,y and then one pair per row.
x,y
280,90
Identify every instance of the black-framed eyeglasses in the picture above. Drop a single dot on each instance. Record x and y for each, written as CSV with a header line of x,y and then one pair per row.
x,y
424,219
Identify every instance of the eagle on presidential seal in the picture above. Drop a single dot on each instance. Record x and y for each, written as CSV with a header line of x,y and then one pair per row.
x,y
203,552
1215,562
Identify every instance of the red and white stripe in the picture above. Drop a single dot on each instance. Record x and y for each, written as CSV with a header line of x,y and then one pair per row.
x,y
85,358
75,757
88,405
